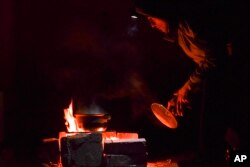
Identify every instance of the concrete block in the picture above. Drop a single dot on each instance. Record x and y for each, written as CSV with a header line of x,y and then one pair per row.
x,y
118,160
125,146
82,150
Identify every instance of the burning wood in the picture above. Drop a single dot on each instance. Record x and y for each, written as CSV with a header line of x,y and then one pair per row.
x,y
71,122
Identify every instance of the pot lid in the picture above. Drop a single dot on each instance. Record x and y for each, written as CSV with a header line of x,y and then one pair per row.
x,y
164,115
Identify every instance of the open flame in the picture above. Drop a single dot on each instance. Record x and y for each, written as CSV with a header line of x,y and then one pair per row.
x,y
71,122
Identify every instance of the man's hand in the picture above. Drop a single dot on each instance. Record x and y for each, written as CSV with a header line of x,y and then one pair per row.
x,y
179,102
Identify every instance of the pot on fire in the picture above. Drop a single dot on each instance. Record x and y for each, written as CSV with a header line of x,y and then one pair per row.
x,y
93,122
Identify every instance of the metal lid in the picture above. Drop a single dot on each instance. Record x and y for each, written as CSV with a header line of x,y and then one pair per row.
x,y
164,115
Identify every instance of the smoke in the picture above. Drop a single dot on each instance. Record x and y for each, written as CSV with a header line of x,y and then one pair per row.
x,y
101,62
92,109
132,91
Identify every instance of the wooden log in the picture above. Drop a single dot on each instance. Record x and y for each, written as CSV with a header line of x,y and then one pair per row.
x,y
82,150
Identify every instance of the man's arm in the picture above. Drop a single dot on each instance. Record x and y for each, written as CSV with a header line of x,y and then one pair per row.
x,y
202,55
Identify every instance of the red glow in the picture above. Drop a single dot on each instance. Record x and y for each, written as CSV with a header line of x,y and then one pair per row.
x,y
71,122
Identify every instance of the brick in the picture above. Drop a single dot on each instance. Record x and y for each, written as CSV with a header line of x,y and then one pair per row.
x,y
49,151
135,160
82,150
125,146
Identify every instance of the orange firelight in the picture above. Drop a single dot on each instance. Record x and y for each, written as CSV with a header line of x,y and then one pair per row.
x,y
71,122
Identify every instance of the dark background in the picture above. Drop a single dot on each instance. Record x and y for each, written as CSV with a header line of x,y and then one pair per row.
x,y
92,51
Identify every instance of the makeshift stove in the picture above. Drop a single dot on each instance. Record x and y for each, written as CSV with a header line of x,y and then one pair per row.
x,y
102,149
94,146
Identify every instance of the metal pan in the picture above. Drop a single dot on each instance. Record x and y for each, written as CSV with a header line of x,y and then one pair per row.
x,y
164,115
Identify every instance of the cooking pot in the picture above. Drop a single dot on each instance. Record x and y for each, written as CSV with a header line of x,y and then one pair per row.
x,y
93,122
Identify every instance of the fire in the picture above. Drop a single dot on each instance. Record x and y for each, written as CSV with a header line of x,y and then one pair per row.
x,y
71,122
113,135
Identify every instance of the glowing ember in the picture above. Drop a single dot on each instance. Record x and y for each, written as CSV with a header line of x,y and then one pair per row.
x,y
112,138
71,122
113,135
100,129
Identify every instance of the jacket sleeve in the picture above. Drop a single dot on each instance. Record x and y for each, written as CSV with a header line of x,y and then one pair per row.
x,y
198,50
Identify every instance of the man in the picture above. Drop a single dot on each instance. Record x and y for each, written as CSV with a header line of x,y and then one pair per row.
x,y
196,48
204,41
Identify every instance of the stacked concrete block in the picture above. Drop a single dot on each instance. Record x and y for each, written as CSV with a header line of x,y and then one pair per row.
x,y
125,153
82,150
